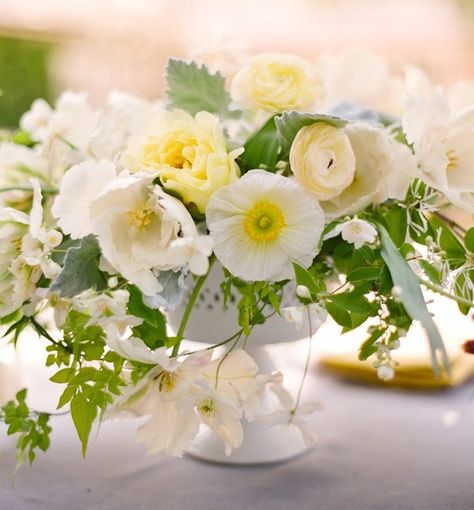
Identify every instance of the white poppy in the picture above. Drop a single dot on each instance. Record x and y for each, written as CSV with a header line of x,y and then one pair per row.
x,y
263,222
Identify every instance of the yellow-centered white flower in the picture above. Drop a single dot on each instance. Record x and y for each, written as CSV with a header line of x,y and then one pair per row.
x,y
276,82
355,231
322,159
263,222
137,224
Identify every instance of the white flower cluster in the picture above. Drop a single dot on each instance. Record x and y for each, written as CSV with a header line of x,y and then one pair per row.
x,y
159,193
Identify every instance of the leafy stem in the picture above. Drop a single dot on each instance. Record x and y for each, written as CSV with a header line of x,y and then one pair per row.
x,y
189,307
439,290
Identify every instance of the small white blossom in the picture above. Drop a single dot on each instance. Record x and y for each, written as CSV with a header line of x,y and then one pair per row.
x,y
355,231
385,372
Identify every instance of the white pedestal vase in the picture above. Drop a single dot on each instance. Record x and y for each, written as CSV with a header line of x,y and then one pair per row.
x,y
210,323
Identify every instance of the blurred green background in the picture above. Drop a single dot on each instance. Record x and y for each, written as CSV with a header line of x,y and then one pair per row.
x,y
24,76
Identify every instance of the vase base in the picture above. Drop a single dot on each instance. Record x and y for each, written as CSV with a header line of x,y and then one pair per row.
x,y
261,445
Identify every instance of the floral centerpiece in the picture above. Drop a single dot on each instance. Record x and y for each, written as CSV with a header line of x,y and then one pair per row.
x,y
285,176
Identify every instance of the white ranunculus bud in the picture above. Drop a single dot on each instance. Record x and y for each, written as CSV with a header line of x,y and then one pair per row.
x,y
322,159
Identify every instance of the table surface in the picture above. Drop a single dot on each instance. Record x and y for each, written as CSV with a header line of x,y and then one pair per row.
x,y
378,448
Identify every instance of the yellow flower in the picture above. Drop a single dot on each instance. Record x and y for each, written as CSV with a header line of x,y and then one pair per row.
x,y
277,82
322,159
189,154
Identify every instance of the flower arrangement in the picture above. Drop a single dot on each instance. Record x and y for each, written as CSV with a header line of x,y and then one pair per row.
x,y
293,181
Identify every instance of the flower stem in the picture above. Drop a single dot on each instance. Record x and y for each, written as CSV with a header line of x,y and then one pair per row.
x,y
445,293
308,358
189,307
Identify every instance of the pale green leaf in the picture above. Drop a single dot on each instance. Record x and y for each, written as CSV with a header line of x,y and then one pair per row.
x,y
412,298
193,88
81,269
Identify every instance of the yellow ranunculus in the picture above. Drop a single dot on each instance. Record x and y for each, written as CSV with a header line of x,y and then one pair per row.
x,y
322,159
277,82
189,154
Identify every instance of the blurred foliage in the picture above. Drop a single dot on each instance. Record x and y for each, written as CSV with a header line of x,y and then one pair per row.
x,y
23,77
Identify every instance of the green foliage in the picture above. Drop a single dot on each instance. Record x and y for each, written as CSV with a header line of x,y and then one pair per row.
x,y
262,148
32,427
193,88
289,123
81,269
91,373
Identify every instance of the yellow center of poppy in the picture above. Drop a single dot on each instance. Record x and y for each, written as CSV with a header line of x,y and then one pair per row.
x,y
264,222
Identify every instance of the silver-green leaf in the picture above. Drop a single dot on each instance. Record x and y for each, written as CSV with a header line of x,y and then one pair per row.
x,y
193,88
81,269
412,298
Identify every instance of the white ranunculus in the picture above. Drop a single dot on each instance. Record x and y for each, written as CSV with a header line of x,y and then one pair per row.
x,y
384,169
263,222
322,159
136,224
442,141
80,186
355,231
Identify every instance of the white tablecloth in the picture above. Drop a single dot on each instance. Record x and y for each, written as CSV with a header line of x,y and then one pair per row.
x,y
378,449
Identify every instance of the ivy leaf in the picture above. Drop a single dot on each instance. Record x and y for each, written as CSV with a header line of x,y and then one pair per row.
x,y
193,89
412,298
81,269
262,148
289,123
83,414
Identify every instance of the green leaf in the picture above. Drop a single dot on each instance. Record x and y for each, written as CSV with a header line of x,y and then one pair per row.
x,y
431,272
194,89
81,269
341,316
368,348
469,239
83,414
397,224
137,307
303,277
455,252
361,274
353,303
63,376
262,148
289,123
412,298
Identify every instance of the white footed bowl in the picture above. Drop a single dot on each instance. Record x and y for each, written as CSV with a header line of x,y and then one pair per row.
x,y
210,323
